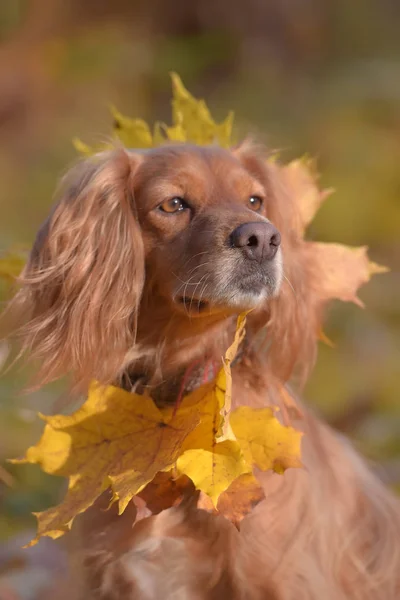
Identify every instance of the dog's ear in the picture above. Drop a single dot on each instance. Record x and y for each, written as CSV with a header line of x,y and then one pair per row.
x,y
81,288
291,320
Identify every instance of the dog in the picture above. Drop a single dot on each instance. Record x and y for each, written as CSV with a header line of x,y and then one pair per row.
x,y
138,274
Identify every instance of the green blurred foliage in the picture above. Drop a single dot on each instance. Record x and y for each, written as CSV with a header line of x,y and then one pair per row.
x,y
321,78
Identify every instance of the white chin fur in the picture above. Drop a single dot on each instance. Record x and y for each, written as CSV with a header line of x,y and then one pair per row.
x,y
248,299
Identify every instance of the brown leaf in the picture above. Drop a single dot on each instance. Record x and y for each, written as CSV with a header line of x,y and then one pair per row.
x,y
237,501
165,491
240,498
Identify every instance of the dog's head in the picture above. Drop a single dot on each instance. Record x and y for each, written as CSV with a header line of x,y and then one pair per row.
x,y
139,240
208,243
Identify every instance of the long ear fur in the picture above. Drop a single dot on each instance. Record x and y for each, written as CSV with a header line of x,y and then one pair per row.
x,y
291,320
78,304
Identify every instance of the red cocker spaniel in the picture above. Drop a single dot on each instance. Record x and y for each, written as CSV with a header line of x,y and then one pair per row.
x,y
138,274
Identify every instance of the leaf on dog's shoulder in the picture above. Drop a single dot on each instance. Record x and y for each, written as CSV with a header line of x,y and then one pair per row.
x,y
264,441
115,438
133,133
301,180
237,501
213,471
195,118
340,270
157,457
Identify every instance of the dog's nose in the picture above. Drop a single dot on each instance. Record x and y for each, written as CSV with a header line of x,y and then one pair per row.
x,y
259,241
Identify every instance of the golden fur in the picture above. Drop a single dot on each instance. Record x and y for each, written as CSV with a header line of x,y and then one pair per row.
x,y
118,291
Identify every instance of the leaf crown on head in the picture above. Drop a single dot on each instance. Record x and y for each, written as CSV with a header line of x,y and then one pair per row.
x,y
191,122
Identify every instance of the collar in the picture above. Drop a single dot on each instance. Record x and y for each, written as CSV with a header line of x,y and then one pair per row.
x,y
172,390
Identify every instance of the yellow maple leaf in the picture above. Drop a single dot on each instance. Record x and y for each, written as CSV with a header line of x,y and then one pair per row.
x,y
123,440
175,133
213,401
213,471
191,122
194,118
133,133
264,441
224,379
218,450
115,438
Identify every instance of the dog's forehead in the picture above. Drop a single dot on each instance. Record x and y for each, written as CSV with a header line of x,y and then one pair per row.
x,y
189,161
186,154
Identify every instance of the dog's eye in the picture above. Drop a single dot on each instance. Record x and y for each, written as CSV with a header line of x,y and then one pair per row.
x,y
173,205
255,203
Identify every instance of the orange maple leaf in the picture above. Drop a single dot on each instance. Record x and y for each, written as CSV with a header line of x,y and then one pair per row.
x,y
237,501
340,271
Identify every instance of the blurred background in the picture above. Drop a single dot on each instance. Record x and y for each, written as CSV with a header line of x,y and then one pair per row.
x,y
306,76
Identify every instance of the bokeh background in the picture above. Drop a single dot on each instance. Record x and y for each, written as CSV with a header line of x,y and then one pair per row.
x,y
320,77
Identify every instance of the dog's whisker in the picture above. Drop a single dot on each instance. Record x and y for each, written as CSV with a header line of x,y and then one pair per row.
x,y
194,257
185,284
185,295
202,292
189,282
194,291
199,266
